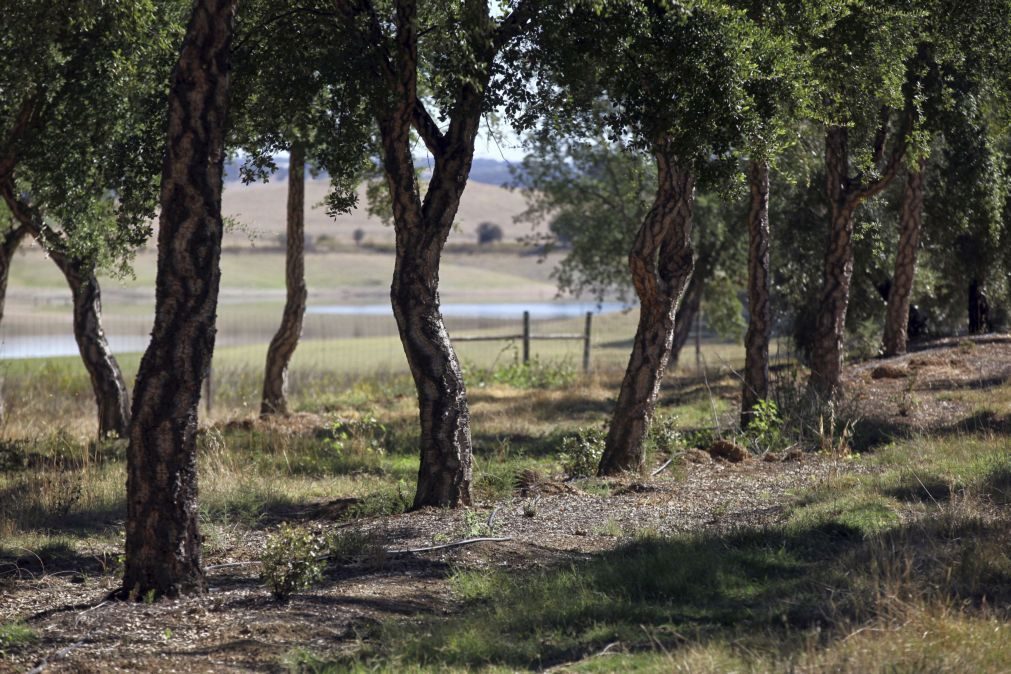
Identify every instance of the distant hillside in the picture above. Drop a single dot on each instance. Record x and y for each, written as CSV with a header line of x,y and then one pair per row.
x,y
259,209
487,171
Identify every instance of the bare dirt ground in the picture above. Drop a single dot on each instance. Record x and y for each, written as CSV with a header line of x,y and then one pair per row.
x,y
238,626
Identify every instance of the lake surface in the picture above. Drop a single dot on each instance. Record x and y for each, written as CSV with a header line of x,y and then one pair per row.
x,y
51,346
55,343
504,310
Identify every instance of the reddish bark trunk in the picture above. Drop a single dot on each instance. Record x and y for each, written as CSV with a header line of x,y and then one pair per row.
x,y
162,538
284,343
661,263
756,341
687,311
107,382
900,294
845,195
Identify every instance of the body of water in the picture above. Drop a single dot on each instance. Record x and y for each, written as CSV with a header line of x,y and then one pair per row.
x,y
56,344
507,311
52,346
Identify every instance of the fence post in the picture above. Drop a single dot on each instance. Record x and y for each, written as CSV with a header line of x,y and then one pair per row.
x,y
586,341
526,337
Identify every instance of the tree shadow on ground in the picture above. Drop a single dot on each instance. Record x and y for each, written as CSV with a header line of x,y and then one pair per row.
x,y
54,557
730,588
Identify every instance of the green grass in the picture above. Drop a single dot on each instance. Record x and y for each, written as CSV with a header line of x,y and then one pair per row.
x,y
857,580
264,270
14,635
903,566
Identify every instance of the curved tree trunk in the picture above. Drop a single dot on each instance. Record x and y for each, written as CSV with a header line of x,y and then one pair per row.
x,y
282,346
8,246
979,308
756,341
900,294
422,227
162,539
684,318
845,194
445,473
661,263
107,383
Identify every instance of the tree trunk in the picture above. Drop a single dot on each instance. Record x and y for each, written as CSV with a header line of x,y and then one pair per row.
x,y
756,341
275,381
107,383
979,309
8,246
162,539
684,318
661,263
830,326
845,194
900,293
422,227
445,473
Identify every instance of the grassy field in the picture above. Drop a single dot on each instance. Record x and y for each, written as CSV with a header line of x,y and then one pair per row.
x,y
895,560
364,272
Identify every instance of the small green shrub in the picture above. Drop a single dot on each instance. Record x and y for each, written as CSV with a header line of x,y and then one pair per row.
x,y
535,374
385,502
294,559
581,452
765,430
474,525
664,436
14,635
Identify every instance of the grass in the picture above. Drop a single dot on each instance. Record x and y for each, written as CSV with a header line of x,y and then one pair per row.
x,y
855,581
900,566
264,270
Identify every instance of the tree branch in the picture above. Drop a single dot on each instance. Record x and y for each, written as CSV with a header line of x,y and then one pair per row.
x,y
514,23
22,122
429,131
901,146
349,11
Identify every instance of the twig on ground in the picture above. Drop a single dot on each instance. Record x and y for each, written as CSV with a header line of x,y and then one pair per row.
x,y
660,469
231,564
88,610
62,653
491,518
455,544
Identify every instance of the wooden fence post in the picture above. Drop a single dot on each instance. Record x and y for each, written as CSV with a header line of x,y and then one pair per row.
x,y
526,337
586,341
